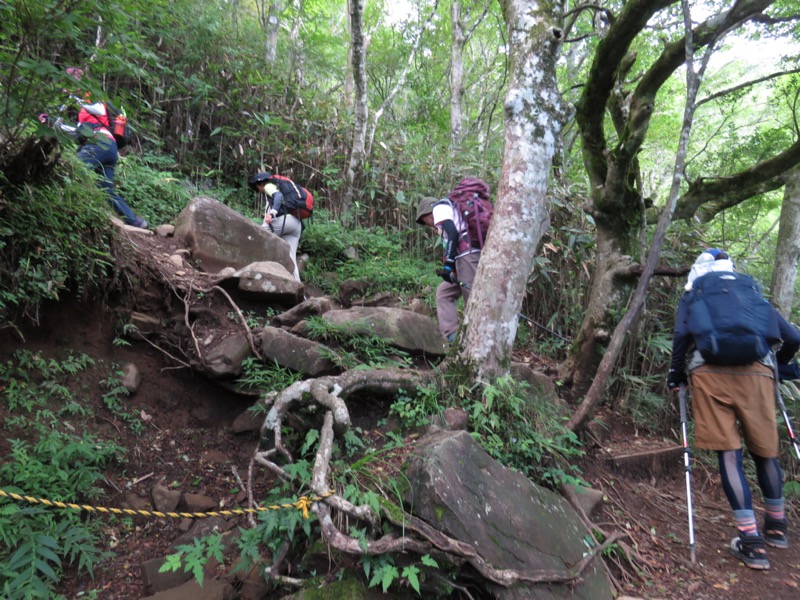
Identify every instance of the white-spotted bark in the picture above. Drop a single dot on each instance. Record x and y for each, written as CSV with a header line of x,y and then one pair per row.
x,y
533,120
361,112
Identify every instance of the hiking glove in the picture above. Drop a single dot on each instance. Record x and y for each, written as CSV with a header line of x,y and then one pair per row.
x,y
676,378
448,272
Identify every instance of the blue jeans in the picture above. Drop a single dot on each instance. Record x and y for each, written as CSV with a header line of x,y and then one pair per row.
x,y
101,156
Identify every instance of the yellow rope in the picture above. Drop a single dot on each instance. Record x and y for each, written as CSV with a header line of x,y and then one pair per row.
x,y
303,504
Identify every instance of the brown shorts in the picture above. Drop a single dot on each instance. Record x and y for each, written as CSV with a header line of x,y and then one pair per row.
x,y
721,396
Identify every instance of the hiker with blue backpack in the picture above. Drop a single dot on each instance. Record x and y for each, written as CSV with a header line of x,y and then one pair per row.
x,y
99,133
723,342
462,219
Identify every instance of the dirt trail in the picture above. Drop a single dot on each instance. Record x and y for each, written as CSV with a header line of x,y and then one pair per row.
x,y
187,443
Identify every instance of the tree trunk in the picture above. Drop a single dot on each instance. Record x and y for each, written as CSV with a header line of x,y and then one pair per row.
x,y
298,51
788,251
361,110
456,76
272,24
347,90
628,322
617,203
534,117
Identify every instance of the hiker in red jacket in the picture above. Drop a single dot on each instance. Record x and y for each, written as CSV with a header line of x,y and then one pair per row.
x,y
98,148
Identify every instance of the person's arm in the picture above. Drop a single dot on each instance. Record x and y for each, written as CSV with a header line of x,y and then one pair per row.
x,y
791,340
274,204
98,109
277,201
68,129
450,235
681,340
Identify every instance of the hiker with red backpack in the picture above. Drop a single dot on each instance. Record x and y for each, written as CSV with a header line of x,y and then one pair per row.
x,y
724,333
462,219
285,206
99,146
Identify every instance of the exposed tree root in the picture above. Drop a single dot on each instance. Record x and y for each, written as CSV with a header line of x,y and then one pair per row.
x,y
417,536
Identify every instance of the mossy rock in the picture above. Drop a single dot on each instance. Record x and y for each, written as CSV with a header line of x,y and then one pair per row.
x,y
349,588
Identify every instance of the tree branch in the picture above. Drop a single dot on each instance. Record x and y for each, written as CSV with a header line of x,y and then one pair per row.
x,y
724,192
746,84
611,51
670,60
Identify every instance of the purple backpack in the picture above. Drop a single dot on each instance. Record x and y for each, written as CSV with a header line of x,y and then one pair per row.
x,y
471,199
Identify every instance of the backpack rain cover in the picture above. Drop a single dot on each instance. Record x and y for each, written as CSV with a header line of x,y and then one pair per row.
x,y
730,320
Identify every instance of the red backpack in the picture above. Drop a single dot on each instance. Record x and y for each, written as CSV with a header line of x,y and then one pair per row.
x,y
471,199
297,200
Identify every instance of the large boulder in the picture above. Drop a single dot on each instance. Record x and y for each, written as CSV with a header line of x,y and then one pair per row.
x,y
295,353
270,282
220,237
409,331
509,521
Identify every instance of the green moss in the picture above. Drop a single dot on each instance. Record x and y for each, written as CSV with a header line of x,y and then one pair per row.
x,y
350,588
440,510
395,513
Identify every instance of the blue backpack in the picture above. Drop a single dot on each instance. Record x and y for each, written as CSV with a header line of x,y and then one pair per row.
x,y
730,320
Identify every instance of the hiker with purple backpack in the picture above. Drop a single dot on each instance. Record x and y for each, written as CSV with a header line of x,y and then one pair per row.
x,y
462,219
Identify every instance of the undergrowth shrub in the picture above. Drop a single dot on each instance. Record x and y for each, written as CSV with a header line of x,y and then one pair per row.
x,y
257,376
381,260
355,350
151,188
523,430
52,237
52,459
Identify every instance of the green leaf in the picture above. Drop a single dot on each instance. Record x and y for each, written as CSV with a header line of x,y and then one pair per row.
x,y
45,568
390,573
429,562
172,562
410,573
49,555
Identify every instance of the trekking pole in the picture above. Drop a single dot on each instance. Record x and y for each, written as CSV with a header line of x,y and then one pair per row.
x,y
785,413
788,422
687,467
531,321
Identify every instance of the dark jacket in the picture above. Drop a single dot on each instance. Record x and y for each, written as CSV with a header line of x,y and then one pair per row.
x,y
682,340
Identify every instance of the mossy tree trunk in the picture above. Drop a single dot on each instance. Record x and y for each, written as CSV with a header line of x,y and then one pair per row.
x,y
618,204
533,119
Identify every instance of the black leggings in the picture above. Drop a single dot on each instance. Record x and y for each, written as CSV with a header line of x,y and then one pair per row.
x,y
768,471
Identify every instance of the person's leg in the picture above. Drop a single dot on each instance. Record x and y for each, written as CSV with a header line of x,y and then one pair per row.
x,y
715,393
748,546
770,480
446,312
756,413
466,266
289,228
102,158
737,491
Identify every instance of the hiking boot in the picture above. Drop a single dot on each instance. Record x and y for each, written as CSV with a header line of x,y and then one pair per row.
x,y
751,550
775,532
